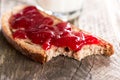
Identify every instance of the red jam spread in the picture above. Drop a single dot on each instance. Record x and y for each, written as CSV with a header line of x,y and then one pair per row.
x,y
31,24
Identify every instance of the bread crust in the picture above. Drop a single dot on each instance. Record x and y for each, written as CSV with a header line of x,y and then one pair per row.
x,y
36,53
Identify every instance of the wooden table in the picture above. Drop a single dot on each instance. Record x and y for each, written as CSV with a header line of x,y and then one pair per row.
x,y
101,17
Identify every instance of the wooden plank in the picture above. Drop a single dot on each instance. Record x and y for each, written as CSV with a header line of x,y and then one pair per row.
x,y
99,22
94,18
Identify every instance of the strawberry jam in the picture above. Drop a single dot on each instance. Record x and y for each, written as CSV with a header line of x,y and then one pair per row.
x,y
29,23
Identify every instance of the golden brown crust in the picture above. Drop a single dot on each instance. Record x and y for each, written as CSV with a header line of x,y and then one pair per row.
x,y
37,53
108,49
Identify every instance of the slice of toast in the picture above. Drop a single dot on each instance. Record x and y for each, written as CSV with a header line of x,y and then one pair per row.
x,y
37,53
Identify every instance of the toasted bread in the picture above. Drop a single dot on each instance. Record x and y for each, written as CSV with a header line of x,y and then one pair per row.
x,y
37,53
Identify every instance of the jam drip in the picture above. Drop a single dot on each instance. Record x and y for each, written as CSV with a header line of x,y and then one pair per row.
x,y
31,24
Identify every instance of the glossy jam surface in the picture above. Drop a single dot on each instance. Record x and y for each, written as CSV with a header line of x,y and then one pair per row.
x,y
31,24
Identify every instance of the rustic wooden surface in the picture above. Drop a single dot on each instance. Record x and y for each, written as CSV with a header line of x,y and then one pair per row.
x,y
101,17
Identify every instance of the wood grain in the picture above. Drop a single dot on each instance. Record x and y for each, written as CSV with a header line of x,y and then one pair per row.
x,y
95,18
